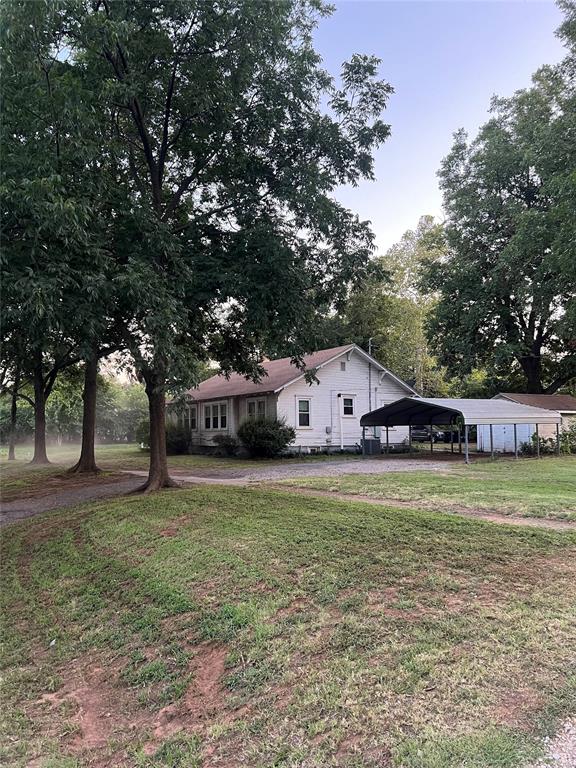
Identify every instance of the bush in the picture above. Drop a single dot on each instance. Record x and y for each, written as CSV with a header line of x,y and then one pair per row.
x,y
176,440
547,446
226,445
568,438
265,437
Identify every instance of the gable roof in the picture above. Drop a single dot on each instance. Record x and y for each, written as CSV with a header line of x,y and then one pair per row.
x,y
280,374
563,403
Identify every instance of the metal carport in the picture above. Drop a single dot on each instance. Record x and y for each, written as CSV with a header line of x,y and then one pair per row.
x,y
451,411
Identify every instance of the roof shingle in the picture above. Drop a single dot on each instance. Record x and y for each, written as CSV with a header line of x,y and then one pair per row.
x,y
550,402
280,372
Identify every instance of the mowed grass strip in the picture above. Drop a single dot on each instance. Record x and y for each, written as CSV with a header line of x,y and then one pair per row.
x,y
242,627
528,487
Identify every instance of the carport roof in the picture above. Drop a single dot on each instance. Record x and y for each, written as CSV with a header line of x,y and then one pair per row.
x,y
445,410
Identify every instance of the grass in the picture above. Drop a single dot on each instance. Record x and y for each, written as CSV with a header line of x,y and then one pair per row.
x,y
245,627
529,487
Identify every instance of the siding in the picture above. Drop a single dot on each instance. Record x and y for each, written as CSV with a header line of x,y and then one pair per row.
x,y
325,421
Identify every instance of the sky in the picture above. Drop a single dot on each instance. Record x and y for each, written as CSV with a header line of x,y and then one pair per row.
x,y
445,60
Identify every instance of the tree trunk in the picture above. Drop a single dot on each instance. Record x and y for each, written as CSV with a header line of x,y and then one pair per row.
x,y
158,476
87,460
40,455
532,368
13,416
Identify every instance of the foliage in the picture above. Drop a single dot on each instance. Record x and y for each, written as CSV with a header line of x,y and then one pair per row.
x,y
227,445
388,311
507,290
177,440
265,437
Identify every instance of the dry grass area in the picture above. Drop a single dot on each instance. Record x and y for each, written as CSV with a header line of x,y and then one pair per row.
x,y
227,627
543,488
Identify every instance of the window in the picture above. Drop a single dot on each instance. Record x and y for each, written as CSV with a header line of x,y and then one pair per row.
x,y
303,413
193,418
216,416
348,406
256,408
343,365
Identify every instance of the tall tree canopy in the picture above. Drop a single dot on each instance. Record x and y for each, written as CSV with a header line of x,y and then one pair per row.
x,y
215,114
507,291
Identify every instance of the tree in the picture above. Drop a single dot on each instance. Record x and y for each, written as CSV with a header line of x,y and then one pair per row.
x,y
232,237
387,312
507,290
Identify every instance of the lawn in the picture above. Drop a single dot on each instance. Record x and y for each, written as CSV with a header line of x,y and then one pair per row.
x,y
250,627
528,487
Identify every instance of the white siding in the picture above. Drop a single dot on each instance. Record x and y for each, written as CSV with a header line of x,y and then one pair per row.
x,y
327,427
503,436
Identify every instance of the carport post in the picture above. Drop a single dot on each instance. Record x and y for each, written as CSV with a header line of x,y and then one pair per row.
x,y
387,441
459,440
410,439
466,458
558,439
491,442
515,441
537,442
451,439
363,441
431,440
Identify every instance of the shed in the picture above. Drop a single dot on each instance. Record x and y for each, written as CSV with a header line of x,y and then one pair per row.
x,y
467,412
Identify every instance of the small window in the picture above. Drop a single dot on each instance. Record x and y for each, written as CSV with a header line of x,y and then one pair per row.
x,y
214,417
303,413
207,420
193,418
261,407
223,415
251,409
348,406
343,365
256,408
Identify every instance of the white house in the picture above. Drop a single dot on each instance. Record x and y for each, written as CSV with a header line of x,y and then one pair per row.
x,y
325,413
503,434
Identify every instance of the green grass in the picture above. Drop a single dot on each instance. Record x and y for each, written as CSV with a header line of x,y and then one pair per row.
x,y
336,634
528,487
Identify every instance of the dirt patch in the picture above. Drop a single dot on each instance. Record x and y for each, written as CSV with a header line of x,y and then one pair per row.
x,y
63,481
298,605
203,701
92,711
517,708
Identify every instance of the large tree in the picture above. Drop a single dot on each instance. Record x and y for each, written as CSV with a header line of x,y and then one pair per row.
x,y
508,287
230,139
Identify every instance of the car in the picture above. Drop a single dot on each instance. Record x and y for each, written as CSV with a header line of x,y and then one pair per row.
x,y
421,434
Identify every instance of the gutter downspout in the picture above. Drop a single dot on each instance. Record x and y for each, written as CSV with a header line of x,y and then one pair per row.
x,y
340,418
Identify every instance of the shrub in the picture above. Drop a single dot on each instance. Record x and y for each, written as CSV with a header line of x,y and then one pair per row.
x,y
176,440
568,438
226,445
265,437
547,446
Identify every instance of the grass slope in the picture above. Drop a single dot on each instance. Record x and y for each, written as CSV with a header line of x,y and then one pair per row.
x,y
529,487
235,627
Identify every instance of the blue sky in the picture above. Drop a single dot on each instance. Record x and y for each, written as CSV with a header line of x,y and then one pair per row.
x,y
445,60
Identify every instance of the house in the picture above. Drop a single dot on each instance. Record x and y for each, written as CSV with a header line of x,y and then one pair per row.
x,y
325,413
503,435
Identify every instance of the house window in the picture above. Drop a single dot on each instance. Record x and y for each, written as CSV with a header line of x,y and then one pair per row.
x,y
343,365
216,416
193,418
303,413
348,406
256,408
